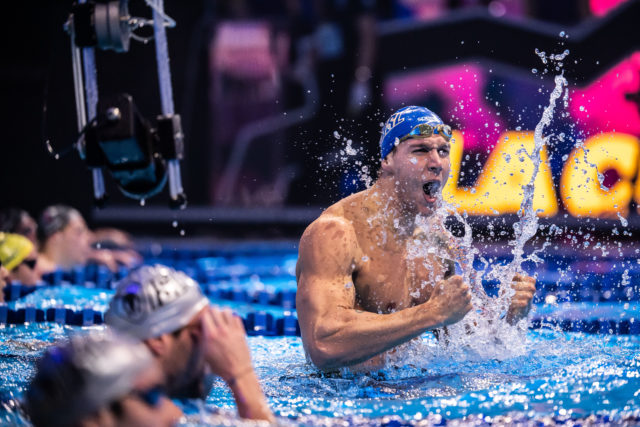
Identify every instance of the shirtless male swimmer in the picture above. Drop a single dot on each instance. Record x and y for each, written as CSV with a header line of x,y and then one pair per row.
x,y
359,293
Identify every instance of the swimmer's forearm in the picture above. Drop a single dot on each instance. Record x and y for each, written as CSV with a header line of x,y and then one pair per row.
x,y
250,399
359,335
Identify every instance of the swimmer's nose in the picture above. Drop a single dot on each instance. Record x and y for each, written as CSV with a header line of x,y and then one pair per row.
x,y
435,169
434,163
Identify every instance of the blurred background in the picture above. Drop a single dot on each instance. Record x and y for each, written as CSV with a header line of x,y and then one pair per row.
x,y
282,103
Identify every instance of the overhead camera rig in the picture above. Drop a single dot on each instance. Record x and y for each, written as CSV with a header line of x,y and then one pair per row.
x,y
113,134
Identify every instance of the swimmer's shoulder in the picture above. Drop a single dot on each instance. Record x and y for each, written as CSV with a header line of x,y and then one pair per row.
x,y
331,224
330,238
328,245
342,216
334,226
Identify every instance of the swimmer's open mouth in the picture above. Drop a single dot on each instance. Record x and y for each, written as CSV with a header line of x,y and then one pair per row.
x,y
431,188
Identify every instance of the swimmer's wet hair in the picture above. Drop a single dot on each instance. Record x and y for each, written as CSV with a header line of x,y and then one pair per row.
x,y
10,219
53,219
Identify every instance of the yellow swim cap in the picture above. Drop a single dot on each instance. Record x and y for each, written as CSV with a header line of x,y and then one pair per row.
x,y
14,248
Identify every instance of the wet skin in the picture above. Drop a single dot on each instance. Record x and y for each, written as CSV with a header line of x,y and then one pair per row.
x,y
361,291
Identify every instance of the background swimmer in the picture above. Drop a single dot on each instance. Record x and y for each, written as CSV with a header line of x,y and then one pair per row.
x,y
19,257
66,242
167,310
100,379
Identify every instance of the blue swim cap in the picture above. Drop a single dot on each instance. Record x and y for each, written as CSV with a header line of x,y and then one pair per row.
x,y
401,123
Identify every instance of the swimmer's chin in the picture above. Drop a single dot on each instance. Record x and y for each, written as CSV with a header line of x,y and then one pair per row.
x,y
428,207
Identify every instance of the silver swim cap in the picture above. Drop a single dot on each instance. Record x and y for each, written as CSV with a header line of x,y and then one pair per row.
x,y
77,378
152,301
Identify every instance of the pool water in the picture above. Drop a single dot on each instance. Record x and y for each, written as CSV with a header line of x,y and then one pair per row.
x,y
561,376
550,375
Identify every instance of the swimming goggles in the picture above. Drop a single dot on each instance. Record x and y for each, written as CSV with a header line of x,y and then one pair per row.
x,y
151,397
30,263
425,131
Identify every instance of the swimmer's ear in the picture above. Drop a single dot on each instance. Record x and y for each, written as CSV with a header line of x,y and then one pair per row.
x,y
158,345
386,166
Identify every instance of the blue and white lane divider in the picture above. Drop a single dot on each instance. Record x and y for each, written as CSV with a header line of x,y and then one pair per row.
x,y
285,298
612,286
266,324
592,326
255,322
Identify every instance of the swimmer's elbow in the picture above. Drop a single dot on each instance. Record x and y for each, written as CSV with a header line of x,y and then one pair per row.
x,y
327,346
324,356
324,351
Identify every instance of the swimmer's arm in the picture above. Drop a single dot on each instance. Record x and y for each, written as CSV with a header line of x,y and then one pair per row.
x,y
227,352
249,397
334,333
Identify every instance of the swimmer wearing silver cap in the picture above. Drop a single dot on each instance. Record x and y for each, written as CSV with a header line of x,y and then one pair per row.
x,y
166,310
102,379
360,290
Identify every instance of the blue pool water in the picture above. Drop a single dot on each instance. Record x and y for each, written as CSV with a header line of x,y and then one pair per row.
x,y
570,375
553,376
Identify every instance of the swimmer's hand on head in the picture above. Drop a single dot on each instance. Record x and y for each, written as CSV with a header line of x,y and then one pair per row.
x,y
227,354
525,288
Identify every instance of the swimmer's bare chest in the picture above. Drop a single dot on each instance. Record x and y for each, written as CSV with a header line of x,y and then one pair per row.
x,y
386,282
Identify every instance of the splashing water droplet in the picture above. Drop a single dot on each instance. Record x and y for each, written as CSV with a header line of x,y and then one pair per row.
x,y
349,150
142,202
174,224
623,220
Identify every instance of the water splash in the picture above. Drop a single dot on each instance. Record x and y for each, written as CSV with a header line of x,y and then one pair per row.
x,y
485,331
527,225
623,220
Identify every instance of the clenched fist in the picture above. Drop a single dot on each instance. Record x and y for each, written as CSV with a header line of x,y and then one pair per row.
x,y
525,288
450,300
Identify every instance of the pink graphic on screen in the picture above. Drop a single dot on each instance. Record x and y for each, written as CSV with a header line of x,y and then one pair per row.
x,y
460,88
608,105
602,7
